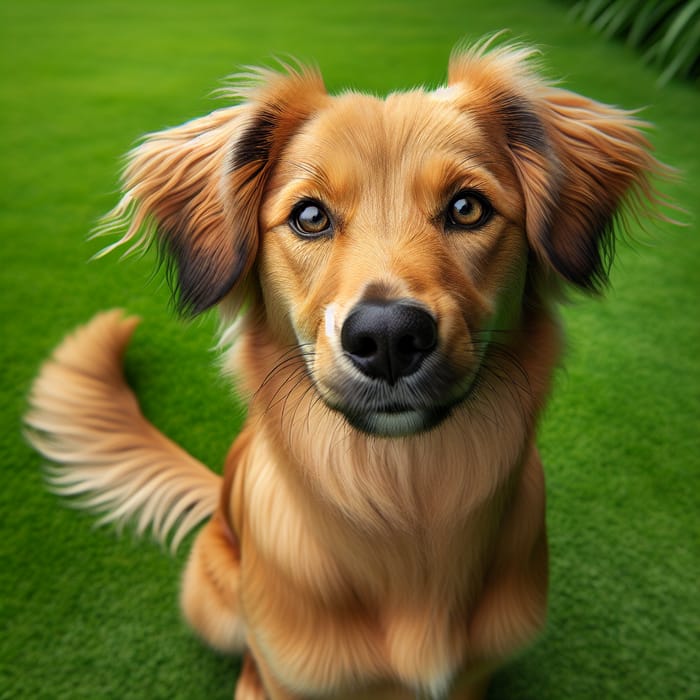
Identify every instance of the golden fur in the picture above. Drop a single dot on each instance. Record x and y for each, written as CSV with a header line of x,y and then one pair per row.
x,y
371,536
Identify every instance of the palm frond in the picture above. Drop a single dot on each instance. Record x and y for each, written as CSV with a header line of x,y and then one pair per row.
x,y
665,32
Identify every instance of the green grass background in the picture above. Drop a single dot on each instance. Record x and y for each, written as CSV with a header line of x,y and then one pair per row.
x,y
88,614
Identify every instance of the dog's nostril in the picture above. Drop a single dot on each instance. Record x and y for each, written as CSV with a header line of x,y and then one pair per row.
x,y
388,340
365,346
406,345
422,338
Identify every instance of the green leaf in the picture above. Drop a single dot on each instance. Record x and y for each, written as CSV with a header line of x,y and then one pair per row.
x,y
616,17
645,24
592,9
688,50
677,26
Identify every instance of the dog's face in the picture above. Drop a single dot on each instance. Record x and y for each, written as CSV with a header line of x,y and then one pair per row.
x,y
392,243
388,241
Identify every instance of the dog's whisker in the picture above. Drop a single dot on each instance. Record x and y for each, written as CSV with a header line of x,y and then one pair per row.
x,y
299,380
285,388
292,357
303,399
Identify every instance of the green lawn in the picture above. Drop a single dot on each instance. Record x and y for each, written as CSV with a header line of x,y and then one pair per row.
x,y
86,614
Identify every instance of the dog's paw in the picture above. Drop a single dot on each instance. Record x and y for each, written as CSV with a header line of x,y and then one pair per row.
x,y
249,686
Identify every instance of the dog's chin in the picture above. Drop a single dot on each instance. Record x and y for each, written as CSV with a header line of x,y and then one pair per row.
x,y
397,423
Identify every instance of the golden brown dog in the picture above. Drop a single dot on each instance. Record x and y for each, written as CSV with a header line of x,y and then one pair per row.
x,y
392,267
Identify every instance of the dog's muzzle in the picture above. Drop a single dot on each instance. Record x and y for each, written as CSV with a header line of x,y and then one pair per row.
x,y
395,380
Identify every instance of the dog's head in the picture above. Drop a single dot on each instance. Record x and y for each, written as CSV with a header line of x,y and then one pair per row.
x,y
390,240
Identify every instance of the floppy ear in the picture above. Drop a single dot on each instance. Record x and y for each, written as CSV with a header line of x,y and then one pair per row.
x,y
197,188
599,164
580,163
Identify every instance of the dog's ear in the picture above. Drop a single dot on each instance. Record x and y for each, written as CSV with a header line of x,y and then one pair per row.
x,y
580,163
197,188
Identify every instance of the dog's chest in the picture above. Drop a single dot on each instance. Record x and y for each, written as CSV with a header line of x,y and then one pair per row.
x,y
326,606
406,654
425,648
413,641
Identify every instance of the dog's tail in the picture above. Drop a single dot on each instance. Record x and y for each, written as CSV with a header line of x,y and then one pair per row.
x,y
84,417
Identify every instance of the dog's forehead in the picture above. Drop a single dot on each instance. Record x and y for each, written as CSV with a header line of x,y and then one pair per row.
x,y
369,129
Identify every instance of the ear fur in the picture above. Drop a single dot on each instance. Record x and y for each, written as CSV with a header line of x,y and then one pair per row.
x,y
196,188
579,162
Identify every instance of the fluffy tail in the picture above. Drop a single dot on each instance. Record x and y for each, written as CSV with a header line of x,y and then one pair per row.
x,y
84,417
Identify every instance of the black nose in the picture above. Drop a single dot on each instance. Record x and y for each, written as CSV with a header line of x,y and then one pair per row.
x,y
388,339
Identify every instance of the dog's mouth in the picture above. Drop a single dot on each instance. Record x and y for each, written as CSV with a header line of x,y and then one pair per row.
x,y
398,423
410,406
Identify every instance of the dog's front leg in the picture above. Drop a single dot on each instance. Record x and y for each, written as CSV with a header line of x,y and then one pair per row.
x,y
257,682
513,605
209,596
469,687
249,686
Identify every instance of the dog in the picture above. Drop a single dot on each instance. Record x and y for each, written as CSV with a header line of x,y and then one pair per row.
x,y
388,273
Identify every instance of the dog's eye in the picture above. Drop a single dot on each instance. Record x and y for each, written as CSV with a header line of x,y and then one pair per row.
x,y
468,210
310,220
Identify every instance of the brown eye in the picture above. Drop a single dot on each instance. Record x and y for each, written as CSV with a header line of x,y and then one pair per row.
x,y
310,220
468,210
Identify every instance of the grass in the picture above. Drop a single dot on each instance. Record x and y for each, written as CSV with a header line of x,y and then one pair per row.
x,y
87,614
